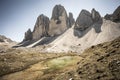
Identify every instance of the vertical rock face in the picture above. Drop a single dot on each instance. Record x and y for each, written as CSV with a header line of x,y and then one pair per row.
x,y
84,20
59,21
28,35
95,15
71,20
115,17
41,27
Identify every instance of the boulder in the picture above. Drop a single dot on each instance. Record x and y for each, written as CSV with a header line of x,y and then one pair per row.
x,y
59,21
41,27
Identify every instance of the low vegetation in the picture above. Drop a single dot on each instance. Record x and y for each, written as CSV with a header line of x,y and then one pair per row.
x,y
101,62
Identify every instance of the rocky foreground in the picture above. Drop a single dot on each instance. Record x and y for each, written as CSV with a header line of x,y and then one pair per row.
x,y
61,48
100,62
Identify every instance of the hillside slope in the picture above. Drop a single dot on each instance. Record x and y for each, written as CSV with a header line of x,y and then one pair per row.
x,y
101,62
68,42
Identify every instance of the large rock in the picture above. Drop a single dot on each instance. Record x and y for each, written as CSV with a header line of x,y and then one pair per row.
x,y
95,15
59,21
84,20
41,27
28,35
71,20
87,20
115,17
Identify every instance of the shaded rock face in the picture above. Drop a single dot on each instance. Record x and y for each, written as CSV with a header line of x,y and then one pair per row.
x,y
71,20
115,17
41,27
95,16
86,20
28,35
59,21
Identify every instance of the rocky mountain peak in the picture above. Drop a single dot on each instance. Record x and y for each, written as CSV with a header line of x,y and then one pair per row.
x,y
28,35
41,27
95,15
115,17
59,21
84,20
58,11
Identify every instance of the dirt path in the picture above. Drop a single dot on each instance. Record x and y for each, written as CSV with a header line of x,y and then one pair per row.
x,y
42,68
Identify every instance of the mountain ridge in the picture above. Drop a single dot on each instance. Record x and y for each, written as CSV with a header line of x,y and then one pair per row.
x,y
47,31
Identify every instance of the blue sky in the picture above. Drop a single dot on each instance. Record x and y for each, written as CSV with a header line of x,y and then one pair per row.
x,y
16,16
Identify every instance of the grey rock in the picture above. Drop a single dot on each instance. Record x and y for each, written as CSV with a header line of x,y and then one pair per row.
x,y
41,27
28,35
84,20
95,16
115,17
59,21
71,20
87,20
108,16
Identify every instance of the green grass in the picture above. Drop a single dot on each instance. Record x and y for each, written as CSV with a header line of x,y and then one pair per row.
x,y
58,63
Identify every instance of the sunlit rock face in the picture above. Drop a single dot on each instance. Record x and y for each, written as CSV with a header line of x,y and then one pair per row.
x,y
41,27
59,21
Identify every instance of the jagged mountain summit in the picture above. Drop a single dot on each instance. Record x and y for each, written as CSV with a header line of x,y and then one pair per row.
x,y
59,21
115,16
62,33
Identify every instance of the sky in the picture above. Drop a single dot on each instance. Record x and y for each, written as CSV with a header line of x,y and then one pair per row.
x,y
16,16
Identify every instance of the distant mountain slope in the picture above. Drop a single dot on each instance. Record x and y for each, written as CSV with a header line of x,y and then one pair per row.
x,y
57,35
68,42
5,39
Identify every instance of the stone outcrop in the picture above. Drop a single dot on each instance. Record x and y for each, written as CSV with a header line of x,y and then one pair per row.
x,y
115,17
28,35
71,20
59,21
95,16
86,19
41,27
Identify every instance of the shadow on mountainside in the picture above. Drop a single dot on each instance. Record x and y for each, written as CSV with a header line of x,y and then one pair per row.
x,y
97,26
